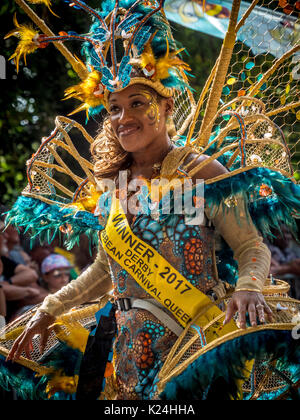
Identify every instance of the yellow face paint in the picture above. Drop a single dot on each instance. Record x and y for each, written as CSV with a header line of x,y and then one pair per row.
x,y
153,111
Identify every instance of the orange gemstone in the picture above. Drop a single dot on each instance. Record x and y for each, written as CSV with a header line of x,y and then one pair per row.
x,y
109,370
288,10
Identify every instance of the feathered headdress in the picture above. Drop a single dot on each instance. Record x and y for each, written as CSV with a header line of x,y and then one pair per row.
x,y
129,42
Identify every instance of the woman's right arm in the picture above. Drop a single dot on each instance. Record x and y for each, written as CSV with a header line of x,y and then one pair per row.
x,y
93,283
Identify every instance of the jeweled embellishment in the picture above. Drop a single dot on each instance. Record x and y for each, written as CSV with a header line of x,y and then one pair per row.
x,y
193,255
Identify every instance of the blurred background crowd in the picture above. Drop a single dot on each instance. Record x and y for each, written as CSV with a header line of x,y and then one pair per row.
x,y
29,271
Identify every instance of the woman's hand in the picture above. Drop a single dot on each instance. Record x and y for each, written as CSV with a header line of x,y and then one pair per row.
x,y
252,302
39,324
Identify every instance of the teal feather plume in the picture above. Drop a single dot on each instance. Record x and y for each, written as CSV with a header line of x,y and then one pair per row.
x,y
226,363
45,221
29,386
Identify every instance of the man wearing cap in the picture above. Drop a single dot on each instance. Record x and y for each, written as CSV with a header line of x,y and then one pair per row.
x,y
56,272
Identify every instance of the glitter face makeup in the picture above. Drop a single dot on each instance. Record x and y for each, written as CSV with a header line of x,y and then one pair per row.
x,y
138,117
153,111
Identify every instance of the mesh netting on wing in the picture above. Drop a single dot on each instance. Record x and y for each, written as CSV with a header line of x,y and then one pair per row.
x,y
83,316
184,110
269,72
58,172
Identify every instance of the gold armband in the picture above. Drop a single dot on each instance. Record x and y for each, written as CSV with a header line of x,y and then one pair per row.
x,y
248,290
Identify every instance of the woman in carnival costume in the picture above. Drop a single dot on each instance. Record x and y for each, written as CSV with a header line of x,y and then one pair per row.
x,y
175,287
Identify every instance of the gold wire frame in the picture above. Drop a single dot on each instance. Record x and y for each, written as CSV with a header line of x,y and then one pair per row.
x,y
51,169
188,347
272,80
84,315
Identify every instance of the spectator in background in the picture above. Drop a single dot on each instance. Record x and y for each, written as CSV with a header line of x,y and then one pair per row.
x,y
84,254
56,272
18,281
39,252
13,241
2,300
286,260
69,255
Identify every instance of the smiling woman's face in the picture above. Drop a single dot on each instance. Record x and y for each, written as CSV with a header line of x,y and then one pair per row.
x,y
138,117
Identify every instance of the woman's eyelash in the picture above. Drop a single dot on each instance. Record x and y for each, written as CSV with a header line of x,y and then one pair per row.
x,y
137,103
116,108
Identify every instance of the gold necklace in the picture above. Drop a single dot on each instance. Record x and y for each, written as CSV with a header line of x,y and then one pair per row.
x,y
156,168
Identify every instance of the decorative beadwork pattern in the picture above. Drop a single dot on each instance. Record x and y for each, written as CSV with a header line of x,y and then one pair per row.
x,y
141,349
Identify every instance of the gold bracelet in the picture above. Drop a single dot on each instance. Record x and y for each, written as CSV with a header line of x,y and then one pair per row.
x,y
248,290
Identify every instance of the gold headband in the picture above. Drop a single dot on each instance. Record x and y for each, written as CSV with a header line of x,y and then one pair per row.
x,y
156,85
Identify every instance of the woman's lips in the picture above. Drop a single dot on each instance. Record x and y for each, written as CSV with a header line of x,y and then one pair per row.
x,y
128,131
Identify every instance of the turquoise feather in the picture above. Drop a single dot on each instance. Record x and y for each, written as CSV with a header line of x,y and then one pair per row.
x,y
44,220
226,363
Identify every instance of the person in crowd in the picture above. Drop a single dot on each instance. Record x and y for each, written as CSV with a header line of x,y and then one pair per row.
x,y
58,248
14,239
56,271
84,254
19,282
39,252
286,260
2,303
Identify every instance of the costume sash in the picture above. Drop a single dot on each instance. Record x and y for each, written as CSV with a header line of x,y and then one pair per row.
x,y
158,277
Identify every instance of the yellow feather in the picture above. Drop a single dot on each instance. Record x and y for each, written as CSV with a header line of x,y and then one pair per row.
x,y
164,64
85,92
89,203
73,334
12,335
148,57
26,34
59,382
47,3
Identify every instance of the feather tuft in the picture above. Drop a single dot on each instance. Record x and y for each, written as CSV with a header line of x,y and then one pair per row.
x,y
161,67
90,92
28,41
47,3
